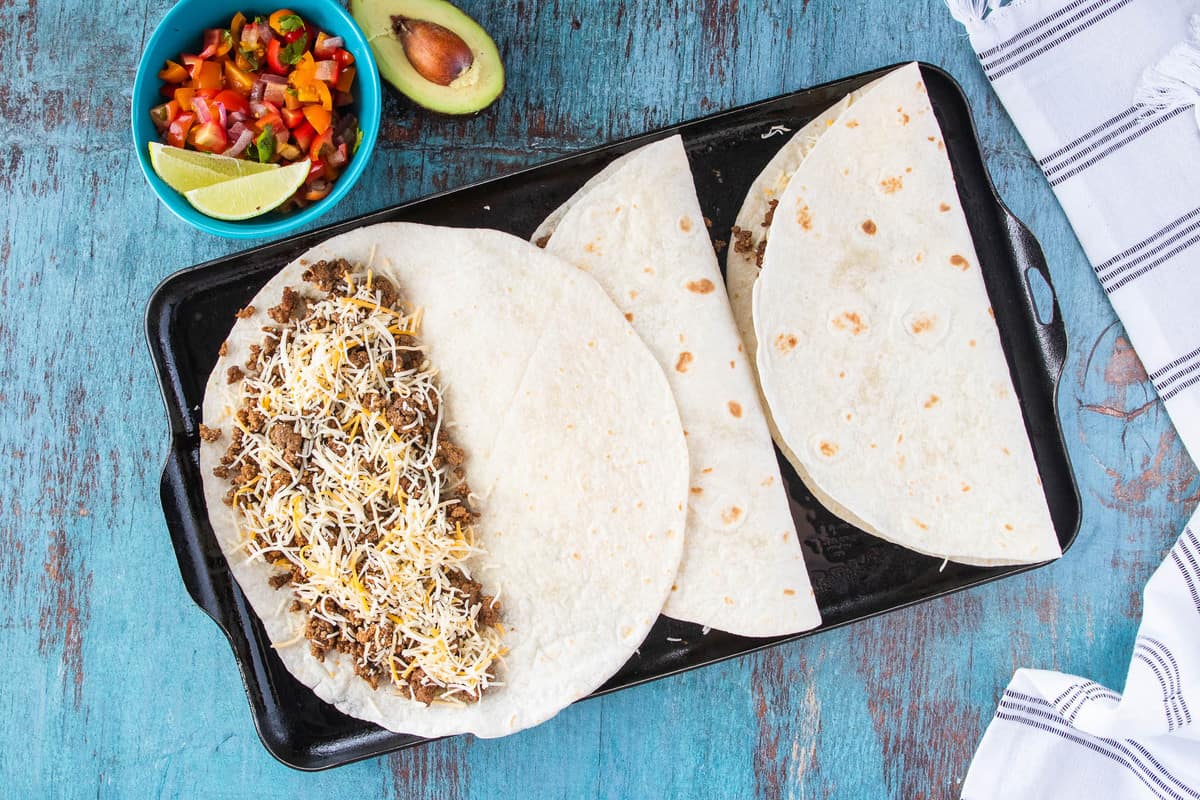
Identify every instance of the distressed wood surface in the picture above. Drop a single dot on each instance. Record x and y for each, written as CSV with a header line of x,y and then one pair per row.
x,y
118,686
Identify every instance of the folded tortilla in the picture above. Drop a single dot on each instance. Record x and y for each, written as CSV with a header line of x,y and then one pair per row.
x,y
878,352
582,489
638,229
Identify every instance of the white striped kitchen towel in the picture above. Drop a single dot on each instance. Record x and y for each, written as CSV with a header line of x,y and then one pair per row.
x,y
1066,738
1119,143
1126,172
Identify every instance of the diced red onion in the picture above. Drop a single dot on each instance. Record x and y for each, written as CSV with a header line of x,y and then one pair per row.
x,y
342,99
282,136
250,35
256,92
222,115
259,109
338,158
243,141
270,77
275,93
325,71
200,106
235,130
235,117
264,32
333,43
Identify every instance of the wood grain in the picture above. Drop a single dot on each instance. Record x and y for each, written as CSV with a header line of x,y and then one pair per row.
x,y
119,686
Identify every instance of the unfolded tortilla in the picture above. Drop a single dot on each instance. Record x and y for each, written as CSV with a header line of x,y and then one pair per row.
x,y
878,352
582,489
638,229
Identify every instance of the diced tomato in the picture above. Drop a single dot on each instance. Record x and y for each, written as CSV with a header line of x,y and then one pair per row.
x,y
210,137
191,64
318,117
232,101
177,133
291,116
315,170
207,75
239,79
321,146
184,96
291,100
217,42
343,57
273,119
164,115
304,134
345,80
173,73
273,62
207,94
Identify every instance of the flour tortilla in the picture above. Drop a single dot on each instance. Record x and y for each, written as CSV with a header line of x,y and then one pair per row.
x,y
582,489
638,229
879,356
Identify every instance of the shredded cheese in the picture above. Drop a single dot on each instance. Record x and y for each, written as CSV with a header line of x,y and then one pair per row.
x,y
363,515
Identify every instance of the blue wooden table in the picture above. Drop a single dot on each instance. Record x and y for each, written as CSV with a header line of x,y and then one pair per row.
x,y
117,686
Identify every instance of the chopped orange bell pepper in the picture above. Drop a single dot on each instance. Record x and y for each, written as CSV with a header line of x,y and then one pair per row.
x,y
238,79
236,25
318,117
173,73
276,18
184,96
208,76
345,80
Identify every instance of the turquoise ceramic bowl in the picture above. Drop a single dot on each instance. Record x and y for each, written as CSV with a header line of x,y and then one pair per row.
x,y
181,31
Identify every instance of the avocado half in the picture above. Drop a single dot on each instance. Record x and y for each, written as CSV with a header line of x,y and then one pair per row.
x,y
474,89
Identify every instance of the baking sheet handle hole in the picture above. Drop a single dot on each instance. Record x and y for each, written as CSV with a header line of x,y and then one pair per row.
x,y
1041,295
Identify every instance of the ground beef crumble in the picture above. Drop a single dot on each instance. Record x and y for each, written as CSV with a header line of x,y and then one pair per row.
x,y
415,416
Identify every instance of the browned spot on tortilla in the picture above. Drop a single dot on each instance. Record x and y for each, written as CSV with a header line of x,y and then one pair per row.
x,y
900,438
685,224
828,449
740,348
842,374
628,317
851,321
892,185
1006,451
785,342
930,138
959,262
966,487
849,417
991,313
735,408
702,286
903,117
731,515
944,207
732,364
853,123
706,470
941,145
590,247
920,86
648,270
592,343
919,257
789,592
767,481
681,364
971,343
920,524
869,227
932,401
674,587
632,294
575,556
921,324
728,601
542,241
804,217
696,490
1008,527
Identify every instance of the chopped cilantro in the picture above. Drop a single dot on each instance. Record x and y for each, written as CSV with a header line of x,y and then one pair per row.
x,y
264,146
357,141
292,53
291,23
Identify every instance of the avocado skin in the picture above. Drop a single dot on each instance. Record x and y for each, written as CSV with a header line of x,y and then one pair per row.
x,y
474,91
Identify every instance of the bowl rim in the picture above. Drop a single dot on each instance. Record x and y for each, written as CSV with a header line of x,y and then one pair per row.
x,y
254,228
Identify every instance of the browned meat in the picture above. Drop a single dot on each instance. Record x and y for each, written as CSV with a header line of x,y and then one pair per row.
x,y
326,274
286,437
209,434
234,374
245,313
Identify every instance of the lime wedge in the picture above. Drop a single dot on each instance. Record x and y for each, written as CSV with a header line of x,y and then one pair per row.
x,y
184,170
251,195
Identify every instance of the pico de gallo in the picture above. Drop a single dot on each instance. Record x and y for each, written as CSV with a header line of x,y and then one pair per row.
x,y
270,89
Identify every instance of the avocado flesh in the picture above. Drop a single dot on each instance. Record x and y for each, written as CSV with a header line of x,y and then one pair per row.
x,y
473,90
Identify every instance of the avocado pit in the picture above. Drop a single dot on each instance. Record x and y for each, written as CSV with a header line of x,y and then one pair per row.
x,y
438,54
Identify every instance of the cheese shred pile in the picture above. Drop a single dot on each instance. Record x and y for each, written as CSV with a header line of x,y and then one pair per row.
x,y
345,478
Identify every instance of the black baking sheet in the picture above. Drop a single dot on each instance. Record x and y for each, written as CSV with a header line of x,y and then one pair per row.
x,y
855,575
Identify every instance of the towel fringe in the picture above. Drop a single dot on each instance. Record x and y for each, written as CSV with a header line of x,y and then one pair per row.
x,y
1174,82
969,12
